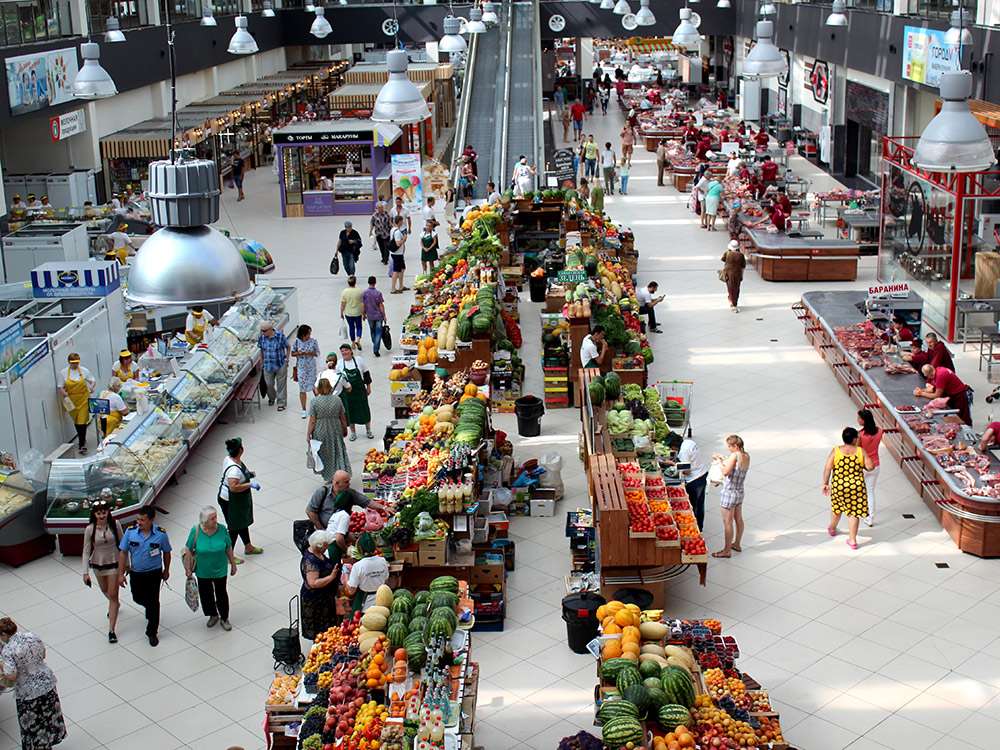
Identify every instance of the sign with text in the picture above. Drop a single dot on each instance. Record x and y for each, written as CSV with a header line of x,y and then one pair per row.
x,y
571,275
926,55
64,126
879,291
406,180
100,406
562,169
40,80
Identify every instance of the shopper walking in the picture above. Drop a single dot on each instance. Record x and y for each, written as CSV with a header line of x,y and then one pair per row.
x,y
235,496
328,424
305,349
330,374
428,248
579,113
77,385
100,555
373,310
623,172
596,196
605,96
608,162
647,302
318,595
367,574
713,194
381,228
870,438
238,170
560,102
734,262
144,558
397,252
349,247
356,400
523,177
39,713
400,210
275,349
590,152
352,310
695,477
734,469
661,161
844,482
628,140
208,556
734,222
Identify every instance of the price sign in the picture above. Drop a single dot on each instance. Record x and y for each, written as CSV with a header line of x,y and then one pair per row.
x,y
571,275
99,406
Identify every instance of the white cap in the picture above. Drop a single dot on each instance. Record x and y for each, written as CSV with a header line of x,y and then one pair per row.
x,y
734,244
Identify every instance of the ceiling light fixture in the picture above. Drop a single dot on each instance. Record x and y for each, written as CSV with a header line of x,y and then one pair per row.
x,y
724,4
268,11
607,4
320,26
954,141
452,40
476,25
242,43
92,81
490,14
114,32
208,16
645,16
765,60
399,101
622,8
958,33
768,8
686,35
838,16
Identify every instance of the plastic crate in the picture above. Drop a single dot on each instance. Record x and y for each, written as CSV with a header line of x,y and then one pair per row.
x,y
574,529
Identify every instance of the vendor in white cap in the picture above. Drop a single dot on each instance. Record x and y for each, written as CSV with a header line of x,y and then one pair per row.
x,y
124,369
194,327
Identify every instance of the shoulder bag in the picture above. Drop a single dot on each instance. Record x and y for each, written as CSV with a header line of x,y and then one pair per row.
x,y
335,264
723,275
386,337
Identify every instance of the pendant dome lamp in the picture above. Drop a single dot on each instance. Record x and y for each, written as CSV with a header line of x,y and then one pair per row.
x,y
764,60
490,17
320,26
607,4
686,35
268,10
724,4
92,81
452,40
838,15
208,16
958,33
242,43
113,32
645,16
310,8
621,8
768,8
399,101
476,25
954,141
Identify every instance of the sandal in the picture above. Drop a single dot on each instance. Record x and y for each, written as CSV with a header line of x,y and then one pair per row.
x,y
281,408
352,436
852,545
736,548
720,554
253,550
369,434
831,531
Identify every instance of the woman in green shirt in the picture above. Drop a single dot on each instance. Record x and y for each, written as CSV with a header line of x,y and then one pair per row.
x,y
208,554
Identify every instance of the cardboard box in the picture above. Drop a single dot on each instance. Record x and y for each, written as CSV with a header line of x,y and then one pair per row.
x,y
400,400
517,508
486,574
543,493
432,559
499,520
543,508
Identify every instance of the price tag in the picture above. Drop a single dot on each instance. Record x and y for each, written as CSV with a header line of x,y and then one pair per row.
x,y
99,406
572,275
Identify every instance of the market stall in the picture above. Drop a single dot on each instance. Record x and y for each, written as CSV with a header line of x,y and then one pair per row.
x,y
354,101
800,256
441,97
938,454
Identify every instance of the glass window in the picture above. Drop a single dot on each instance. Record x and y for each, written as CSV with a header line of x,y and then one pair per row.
x,y
12,28
291,164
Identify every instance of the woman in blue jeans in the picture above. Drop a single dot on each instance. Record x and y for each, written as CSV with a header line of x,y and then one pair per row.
x,y
373,310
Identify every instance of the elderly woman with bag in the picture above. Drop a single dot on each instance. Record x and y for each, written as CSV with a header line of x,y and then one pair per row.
x,y
318,595
734,262
39,713
207,555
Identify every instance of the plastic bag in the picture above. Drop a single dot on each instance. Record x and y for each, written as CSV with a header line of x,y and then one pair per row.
x,y
343,331
424,527
715,475
317,462
642,442
552,478
501,497
191,594
33,466
373,520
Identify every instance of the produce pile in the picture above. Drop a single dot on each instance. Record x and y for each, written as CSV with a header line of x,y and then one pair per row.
x,y
652,680
635,411
658,511
379,676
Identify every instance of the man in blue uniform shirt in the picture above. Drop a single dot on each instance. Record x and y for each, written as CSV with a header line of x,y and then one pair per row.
x,y
145,552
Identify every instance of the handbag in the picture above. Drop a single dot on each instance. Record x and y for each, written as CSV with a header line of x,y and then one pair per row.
x,y
723,275
295,373
191,586
335,265
191,594
232,183
386,337
715,475
310,460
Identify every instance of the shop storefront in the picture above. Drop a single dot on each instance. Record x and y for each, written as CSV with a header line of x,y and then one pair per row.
x,y
333,167
866,123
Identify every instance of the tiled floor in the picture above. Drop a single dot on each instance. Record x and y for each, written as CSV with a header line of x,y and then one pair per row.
x,y
869,650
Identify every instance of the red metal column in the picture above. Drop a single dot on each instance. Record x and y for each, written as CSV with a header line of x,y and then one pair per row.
x,y
956,252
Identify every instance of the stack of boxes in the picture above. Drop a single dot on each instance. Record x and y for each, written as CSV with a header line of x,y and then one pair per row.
x,y
555,365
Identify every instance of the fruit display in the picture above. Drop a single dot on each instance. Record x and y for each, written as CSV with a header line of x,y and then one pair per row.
x,y
283,689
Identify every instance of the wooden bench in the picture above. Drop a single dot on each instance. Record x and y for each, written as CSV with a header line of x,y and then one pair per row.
x,y
247,394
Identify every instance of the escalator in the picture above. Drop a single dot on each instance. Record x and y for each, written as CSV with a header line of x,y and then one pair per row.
x,y
524,98
481,90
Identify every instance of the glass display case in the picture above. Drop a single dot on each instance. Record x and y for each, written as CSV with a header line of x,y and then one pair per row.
x,y
16,494
156,439
232,352
267,303
242,321
189,402
210,371
353,187
75,483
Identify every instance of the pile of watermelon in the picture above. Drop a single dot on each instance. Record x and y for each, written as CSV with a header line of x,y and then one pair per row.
x,y
471,421
416,618
647,691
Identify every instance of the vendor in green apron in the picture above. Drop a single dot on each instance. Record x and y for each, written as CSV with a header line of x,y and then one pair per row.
x,y
235,497
339,524
367,574
593,348
354,369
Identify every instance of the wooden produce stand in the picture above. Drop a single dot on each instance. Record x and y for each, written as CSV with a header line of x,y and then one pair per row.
x,y
973,522
779,257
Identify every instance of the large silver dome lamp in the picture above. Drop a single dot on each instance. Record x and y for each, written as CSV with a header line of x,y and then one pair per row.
x,y
476,25
686,35
621,8
92,81
958,33
645,16
452,40
954,141
765,60
268,10
186,262
838,15
399,101
208,16
242,43
490,16
113,32
320,26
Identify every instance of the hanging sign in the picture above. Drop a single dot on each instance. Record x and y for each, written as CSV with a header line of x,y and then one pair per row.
x,y
406,180
819,82
926,55
889,290
71,123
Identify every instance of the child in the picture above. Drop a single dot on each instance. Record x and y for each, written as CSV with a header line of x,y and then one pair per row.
x,y
623,174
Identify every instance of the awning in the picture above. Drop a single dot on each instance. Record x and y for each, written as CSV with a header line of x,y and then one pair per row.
x,y
642,45
386,133
986,112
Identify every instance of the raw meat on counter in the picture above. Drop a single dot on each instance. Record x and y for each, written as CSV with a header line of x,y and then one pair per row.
x,y
899,368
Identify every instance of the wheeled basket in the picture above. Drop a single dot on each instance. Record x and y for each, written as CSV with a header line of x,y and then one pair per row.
x,y
679,393
287,650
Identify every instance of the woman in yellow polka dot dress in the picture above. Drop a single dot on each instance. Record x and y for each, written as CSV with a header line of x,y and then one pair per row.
x,y
847,464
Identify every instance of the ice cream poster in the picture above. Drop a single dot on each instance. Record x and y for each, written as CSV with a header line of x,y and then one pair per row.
x,y
38,81
406,180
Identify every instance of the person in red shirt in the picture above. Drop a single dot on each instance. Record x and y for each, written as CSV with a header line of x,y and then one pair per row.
x,y
937,353
768,172
703,147
902,331
942,382
725,137
757,188
991,437
761,139
579,115
773,216
869,439
781,200
916,356
620,89
742,128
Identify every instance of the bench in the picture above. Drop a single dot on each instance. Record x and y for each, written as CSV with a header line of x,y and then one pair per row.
x,y
247,394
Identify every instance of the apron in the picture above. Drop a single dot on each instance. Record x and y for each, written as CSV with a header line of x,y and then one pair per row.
x,y
78,393
238,510
124,374
113,419
356,401
196,336
360,597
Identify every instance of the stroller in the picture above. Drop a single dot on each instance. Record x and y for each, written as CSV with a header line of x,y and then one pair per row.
x,y
287,651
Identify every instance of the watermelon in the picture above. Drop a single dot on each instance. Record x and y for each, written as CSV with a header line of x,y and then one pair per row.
x,y
438,627
399,618
464,330
611,667
551,341
677,685
621,730
672,715
446,614
397,635
596,392
591,267
481,323
637,694
417,624
443,599
658,698
626,678
422,597
450,583
632,347
611,709
416,658
651,669
652,683
401,604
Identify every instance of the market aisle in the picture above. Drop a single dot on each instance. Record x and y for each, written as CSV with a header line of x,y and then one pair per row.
x,y
803,607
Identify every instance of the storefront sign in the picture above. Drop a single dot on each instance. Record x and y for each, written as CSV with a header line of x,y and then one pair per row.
x,y
406,180
889,290
41,80
71,123
280,137
36,355
97,278
819,82
926,55
562,170
11,343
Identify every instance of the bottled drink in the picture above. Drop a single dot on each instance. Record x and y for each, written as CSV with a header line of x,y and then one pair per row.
x,y
437,732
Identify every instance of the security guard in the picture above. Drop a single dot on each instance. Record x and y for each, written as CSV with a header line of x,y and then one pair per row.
x,y
145,552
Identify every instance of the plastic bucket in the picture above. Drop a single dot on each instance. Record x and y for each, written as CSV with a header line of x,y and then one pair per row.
x,y
579,611
506,546
529,411
537,286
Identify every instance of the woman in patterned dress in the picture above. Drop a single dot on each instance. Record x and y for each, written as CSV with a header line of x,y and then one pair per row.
x,y
38,711
847,464
328,424
734,469
305,349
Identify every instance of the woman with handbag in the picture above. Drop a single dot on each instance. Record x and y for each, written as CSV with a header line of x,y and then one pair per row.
x,y
100,555
235,497
328,424
208,555
734,262
305,349
356,400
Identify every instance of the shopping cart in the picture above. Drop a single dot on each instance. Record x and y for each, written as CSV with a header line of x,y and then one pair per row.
x,y
287,650
676,395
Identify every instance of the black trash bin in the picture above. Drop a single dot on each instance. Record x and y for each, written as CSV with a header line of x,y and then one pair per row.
x,y
639,597
529,411
580,613
537,286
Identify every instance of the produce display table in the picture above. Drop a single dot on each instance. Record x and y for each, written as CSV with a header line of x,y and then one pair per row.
x,y
778,257
971,519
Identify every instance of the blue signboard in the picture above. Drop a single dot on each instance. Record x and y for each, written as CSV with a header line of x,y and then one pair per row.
x,y
35,356
926,55
318,204
97,278
99,406
11,343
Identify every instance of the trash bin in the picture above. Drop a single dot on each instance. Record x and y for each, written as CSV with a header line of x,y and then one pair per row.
x,y
580,613
639,597
537,286
529,411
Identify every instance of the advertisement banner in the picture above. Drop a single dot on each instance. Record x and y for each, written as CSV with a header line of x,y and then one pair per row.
x,y
11,343
406,180
41,80
926,55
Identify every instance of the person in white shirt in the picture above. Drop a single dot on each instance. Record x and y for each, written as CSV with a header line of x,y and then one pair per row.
x,y
609,160
734,166
696,477
429,211
366,575
17,206
120,243
335,377
76,385
492,195
593,348
33,202
195,324
117,409
647,302
397,249
400,210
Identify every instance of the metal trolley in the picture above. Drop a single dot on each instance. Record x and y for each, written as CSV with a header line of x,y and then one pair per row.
x,y
681,392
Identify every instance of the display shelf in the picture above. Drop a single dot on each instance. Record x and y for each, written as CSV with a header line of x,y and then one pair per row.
x,y
157,439
22,507
190,401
